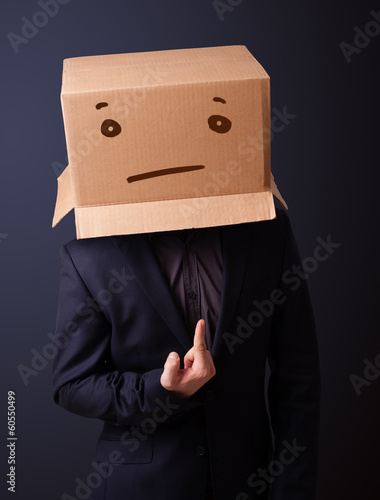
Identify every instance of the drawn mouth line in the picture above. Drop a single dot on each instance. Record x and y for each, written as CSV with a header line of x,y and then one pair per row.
x,y
164,171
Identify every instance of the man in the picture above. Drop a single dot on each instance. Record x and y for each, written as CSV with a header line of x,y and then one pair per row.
x,y
167,422
178,300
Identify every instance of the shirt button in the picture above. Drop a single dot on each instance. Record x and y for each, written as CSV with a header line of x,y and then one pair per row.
x,y
192,295
201,451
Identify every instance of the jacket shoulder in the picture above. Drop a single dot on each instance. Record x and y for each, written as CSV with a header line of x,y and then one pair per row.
x,y
87,245
92,255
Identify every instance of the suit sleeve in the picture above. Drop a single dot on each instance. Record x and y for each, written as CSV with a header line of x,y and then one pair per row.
x,y
83,379
294,384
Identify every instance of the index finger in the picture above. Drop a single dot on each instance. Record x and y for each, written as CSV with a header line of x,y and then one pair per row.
x,y
199,336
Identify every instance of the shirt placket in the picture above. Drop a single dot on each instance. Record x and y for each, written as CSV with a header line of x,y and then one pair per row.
x,y
191,285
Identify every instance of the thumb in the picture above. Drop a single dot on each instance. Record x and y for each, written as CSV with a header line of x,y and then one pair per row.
x,y
171,367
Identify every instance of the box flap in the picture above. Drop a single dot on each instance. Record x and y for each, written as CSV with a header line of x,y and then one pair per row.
x,y
277,193
65,201
164,215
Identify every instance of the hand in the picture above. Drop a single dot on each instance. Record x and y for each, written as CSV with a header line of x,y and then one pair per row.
x,y
198,367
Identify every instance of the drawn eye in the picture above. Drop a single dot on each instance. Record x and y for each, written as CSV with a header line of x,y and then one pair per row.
x,y
219,124
110,128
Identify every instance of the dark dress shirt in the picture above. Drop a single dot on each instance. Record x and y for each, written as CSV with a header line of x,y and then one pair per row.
x,y
191,262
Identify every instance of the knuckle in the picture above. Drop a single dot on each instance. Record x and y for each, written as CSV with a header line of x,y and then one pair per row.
x,y
204,373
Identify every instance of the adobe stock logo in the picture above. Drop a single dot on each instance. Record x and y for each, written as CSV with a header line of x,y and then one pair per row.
x,y
221,7
371,372
362,37
87,311
293,277
259,480
102,471
31,27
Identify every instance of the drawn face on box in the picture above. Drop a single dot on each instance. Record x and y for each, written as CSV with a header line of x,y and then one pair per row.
x,y
167,142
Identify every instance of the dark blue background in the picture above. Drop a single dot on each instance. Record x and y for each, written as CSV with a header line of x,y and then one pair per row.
x,y
324,164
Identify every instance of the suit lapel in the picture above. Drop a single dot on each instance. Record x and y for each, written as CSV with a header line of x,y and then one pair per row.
x,y
140,257
137,253
235,246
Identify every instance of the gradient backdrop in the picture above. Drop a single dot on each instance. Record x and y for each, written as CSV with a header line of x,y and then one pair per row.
x,y
325,163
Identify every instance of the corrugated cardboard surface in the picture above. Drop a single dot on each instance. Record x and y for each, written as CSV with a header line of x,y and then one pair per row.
x,y
166,67
164,215
168,128
197,110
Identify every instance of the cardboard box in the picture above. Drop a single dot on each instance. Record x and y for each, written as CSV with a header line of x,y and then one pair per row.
x,y
166,140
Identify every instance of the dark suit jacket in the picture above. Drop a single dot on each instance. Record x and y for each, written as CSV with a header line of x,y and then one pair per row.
x,y
117,322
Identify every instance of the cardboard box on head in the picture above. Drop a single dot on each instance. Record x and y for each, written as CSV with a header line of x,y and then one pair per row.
x,y
163,140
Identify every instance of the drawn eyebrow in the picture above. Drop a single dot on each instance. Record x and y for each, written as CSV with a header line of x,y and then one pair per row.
x,y
101,105
219,99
